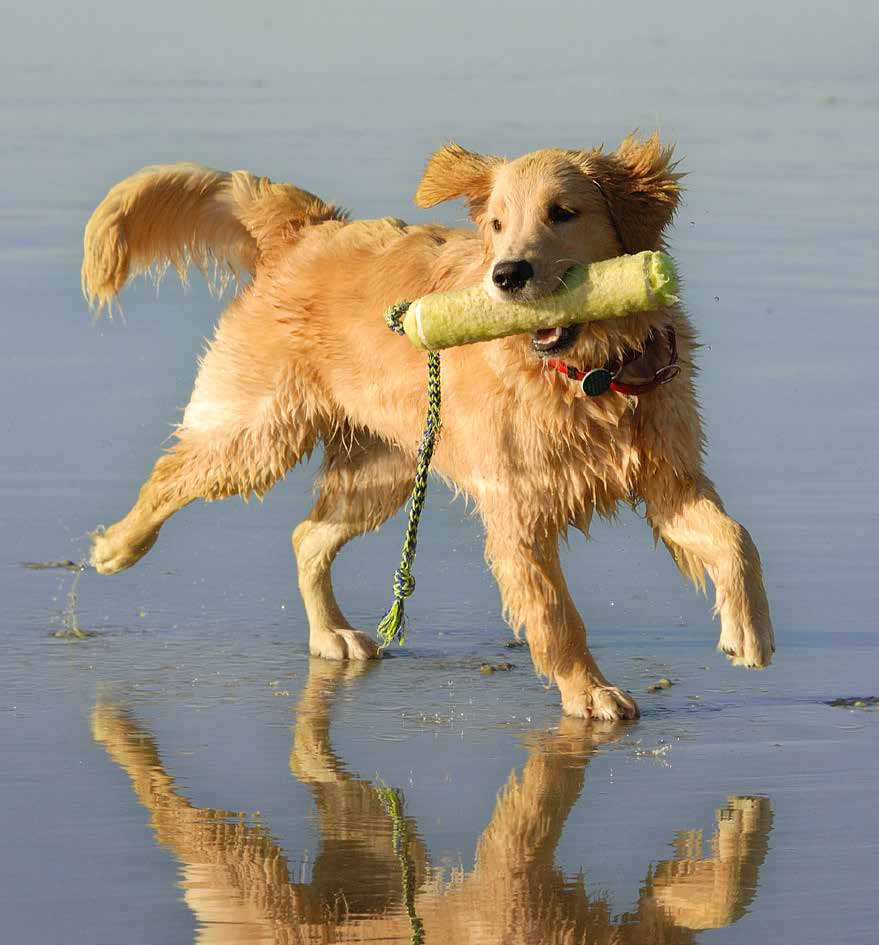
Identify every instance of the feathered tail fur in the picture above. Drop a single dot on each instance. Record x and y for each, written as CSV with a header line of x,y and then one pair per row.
x,y
177,214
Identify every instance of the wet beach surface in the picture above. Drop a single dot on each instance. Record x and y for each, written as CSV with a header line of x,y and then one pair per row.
x,y
187,773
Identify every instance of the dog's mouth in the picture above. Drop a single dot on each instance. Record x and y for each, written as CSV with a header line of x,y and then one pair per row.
x,y
551,340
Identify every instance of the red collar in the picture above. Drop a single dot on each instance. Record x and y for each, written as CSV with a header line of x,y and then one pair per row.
x,y
599,381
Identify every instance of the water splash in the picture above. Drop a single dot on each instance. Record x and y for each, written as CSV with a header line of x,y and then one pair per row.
x,y
70,628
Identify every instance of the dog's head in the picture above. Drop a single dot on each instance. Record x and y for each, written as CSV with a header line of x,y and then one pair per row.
x,y
542,213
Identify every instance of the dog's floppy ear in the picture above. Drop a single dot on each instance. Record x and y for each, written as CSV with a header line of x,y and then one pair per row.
x,y
455,172
642,187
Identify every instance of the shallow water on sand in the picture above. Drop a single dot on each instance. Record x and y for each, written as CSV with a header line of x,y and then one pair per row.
x,y
188,773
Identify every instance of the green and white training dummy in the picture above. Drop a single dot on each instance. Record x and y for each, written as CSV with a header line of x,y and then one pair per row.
x,y
609,289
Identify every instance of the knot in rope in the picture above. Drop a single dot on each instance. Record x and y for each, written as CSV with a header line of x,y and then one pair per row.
x,y
394,317
404,583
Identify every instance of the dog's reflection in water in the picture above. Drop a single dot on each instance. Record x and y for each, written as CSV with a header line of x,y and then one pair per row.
x,y
242,889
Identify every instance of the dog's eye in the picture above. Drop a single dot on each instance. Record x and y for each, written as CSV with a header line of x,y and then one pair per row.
x,y
496,225
559,214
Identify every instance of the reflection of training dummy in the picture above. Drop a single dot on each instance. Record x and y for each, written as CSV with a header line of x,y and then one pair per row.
x,y
237,881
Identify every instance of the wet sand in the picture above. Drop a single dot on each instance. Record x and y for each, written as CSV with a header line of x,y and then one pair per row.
x,y
187,773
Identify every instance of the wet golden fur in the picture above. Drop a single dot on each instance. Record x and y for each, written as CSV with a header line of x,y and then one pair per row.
x,y
303,355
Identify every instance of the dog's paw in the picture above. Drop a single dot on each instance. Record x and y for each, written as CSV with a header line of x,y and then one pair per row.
x,y
115,549
607,703
747,643
343,644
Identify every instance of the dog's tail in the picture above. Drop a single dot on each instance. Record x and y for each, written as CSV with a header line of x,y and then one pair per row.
x,y
177,214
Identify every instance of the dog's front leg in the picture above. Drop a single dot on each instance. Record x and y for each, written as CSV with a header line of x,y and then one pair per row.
x,y
689,517
525,562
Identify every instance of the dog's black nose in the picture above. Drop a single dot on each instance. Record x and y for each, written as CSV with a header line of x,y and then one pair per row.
x,y
512,274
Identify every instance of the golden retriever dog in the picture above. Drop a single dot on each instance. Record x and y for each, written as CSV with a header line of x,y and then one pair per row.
x,y
362,887
303,355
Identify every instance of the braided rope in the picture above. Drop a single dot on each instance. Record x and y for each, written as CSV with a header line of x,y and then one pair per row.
x,y
392,625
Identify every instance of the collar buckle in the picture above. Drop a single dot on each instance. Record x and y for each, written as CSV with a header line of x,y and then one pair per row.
x,y
667,373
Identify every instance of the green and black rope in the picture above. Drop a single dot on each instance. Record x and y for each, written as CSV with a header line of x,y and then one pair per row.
x,y
392,625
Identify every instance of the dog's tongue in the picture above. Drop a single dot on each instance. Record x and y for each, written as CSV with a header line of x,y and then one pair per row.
x,y
547,336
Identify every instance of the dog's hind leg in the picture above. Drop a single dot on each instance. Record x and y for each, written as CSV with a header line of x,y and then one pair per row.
x,y
363,483
690,518
249,421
